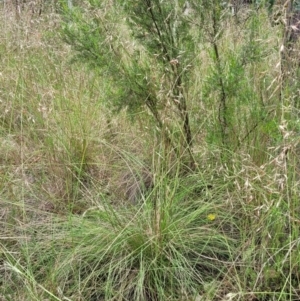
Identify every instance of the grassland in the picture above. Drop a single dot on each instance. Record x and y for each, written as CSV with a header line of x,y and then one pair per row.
x,y
92,205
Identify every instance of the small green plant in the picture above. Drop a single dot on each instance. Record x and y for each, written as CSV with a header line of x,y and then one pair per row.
x,y
153,74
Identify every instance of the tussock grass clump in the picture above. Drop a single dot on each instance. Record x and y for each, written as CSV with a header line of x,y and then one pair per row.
x,y
168,248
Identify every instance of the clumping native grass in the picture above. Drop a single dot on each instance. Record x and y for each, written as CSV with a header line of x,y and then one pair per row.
x,y
168,248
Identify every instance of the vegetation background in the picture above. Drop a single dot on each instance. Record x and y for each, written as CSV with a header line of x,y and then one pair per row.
x,y
149,150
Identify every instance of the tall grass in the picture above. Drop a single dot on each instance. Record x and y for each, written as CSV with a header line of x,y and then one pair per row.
x,y
96,207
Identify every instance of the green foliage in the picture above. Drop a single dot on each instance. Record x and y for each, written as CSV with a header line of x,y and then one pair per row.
x,y
149,253
94,207
241,109
162,28
152,74
94,35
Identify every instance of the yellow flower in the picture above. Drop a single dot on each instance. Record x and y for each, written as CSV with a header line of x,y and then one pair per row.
x,y
211,217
